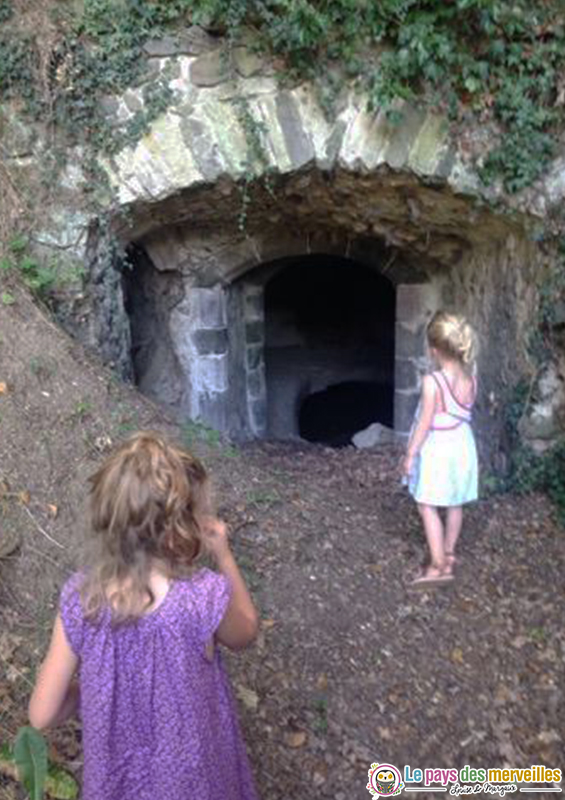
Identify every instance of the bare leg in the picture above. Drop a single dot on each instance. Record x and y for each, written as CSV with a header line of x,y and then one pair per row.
x,y
453,525
433,528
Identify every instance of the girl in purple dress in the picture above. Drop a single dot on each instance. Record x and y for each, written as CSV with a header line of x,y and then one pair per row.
x,y
139,627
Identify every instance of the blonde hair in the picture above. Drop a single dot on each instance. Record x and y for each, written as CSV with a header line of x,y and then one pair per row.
x,y
147,502
454,337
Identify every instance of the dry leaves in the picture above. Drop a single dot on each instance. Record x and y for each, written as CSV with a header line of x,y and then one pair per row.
x,y
9,643
296,739
248,697
322,682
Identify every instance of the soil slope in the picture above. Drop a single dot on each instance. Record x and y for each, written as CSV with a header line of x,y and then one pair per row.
x,y
350,666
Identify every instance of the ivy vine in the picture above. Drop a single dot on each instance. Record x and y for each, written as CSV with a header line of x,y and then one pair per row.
x,y
499,61
256,160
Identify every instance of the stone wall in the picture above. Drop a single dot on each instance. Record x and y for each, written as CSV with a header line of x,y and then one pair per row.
x,y
403,198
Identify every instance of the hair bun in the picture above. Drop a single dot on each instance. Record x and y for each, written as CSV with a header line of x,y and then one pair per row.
x,y
454,336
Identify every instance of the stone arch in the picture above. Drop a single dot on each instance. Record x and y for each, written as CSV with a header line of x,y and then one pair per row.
x,y
207,355
351,184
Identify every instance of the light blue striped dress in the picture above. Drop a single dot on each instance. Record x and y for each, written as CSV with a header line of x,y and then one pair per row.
x,y
445,472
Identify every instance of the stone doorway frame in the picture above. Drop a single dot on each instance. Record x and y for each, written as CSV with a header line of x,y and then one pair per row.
x,y
225,325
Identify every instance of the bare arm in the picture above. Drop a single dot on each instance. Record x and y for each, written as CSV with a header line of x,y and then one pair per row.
x,y
55,696
240,623
427,408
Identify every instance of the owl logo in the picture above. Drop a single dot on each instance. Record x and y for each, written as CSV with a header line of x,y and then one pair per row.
x,y
384,780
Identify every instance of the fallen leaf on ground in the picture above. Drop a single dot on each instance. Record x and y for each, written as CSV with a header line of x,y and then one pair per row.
x,y
248,697
9,643
457,655
322,682
296,738
3,388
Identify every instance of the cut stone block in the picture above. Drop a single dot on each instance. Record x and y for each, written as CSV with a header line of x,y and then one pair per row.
x,y
211,342
406,374
208,308
210,69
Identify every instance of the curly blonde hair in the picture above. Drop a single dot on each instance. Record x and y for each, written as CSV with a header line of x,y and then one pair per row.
x,y
454,337
147,503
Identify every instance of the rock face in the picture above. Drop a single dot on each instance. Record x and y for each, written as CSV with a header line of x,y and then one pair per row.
x,y
544,422
373,436
238,176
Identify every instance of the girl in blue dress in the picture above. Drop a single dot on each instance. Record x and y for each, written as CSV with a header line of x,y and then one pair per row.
x,y
440,467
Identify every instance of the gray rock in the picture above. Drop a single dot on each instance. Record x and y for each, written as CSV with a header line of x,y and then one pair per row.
x,y
405,374
202,146
298,144
254,332
258,410
210,69
110,105
161,48
133,102
373,436
195,40
256,383
558,314
18,138
246,62
254,357
192,42
211,342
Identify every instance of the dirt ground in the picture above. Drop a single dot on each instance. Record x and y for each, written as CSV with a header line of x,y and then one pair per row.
x,y
351,666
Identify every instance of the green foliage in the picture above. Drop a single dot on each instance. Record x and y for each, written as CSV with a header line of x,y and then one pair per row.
x,y
499,60
496,59
18,66
41,277
545,473
6,10
256,159
321,714
530,471
194,432
30,756
100,55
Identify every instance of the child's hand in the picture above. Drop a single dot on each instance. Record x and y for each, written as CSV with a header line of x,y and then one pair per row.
x,y
407,465
215,537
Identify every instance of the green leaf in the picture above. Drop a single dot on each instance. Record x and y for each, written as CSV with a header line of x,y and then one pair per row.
x,y
30,755
18,245
8,299
60,785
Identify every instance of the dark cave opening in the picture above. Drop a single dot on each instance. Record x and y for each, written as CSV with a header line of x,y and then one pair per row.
x,y
329,349
335,414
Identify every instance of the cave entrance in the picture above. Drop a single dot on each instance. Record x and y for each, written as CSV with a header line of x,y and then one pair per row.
x,y
314,345
335,414
329,349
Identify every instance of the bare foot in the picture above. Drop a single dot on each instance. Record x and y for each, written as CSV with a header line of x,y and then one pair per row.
x,y
430,577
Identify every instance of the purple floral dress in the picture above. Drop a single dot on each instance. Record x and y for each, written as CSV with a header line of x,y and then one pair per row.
x,y
159,720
